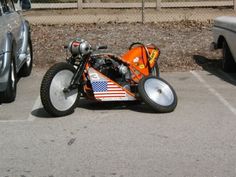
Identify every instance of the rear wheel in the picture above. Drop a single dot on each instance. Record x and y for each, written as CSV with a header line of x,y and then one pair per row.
x,y
55,101
228,63
158,94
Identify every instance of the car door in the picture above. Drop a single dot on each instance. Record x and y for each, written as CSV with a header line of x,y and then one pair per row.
x,y
13,25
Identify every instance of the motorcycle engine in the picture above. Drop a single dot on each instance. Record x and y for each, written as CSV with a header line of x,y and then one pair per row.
x,y
114,70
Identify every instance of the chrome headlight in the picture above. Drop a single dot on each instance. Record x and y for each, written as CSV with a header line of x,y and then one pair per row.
x,y
85,48
79,47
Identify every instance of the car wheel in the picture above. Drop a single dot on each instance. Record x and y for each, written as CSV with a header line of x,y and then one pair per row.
x,y
228,63
27,67
9,94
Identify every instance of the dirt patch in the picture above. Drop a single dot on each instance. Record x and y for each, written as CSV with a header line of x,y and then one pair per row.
x,y
181,43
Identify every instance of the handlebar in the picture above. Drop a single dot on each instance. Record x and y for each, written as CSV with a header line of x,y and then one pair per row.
x,y
97,47
101,47
135,43
82,47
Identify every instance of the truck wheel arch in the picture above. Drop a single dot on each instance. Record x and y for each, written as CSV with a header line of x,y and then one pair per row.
x,y
220,42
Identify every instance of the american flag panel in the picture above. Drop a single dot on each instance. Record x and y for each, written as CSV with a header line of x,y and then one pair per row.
x,y
107,89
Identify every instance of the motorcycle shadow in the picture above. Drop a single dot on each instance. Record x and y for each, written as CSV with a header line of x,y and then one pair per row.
x,y
41,113
137,106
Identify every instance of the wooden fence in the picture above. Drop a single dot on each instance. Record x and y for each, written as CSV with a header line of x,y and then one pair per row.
x,y
158,5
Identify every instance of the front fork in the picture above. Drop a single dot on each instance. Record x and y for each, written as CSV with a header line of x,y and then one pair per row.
x,y
75,82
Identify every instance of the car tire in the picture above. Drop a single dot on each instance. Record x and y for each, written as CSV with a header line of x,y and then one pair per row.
x,y
228,63
9,94
27,67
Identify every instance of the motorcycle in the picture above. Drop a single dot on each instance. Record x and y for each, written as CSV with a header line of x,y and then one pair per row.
x,y
106,77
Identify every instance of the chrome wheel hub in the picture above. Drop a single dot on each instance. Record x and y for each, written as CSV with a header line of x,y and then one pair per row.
x,y
62,100
159,92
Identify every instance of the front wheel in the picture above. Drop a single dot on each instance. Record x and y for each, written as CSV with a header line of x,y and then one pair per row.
x,y
55,101
158,94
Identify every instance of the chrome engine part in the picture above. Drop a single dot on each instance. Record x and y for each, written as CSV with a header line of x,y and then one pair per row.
x,y
114,70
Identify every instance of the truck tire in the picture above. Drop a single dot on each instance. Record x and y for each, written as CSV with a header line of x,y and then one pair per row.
x,y
228,63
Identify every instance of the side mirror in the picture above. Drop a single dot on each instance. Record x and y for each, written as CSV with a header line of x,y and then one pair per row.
x,y
25,4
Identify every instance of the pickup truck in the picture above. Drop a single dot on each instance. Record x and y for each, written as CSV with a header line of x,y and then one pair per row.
x,y
224,37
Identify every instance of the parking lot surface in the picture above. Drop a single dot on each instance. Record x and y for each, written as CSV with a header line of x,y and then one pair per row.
x,y
124,139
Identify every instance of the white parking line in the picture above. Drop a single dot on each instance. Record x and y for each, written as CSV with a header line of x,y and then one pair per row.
x,y
36,106
214,92
13,121
30,118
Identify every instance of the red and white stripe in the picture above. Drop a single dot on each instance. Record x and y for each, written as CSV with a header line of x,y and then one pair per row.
x,y
113,91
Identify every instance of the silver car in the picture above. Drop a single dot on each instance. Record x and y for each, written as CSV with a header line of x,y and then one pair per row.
x,y
16,55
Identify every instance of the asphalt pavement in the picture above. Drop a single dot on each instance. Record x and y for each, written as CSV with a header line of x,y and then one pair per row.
x,y
124,140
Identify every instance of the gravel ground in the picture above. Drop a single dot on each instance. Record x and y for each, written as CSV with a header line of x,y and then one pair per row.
x,y
184,45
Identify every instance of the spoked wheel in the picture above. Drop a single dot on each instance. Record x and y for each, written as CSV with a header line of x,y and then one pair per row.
x,y
158,94
55,100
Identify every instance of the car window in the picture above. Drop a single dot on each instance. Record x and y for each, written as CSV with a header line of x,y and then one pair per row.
x,y
7,6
